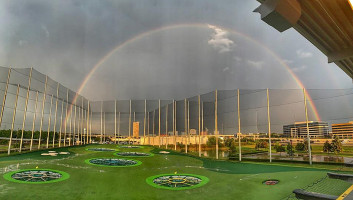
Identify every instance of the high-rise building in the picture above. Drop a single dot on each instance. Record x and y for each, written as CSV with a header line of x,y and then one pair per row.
x,y
344,130
299,129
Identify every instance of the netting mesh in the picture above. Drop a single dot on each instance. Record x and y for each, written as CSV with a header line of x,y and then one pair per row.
x,y
42,105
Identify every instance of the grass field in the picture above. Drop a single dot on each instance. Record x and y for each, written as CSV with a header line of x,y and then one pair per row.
x,y
227,180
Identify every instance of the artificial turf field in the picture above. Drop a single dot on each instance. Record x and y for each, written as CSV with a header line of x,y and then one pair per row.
x,y
227,180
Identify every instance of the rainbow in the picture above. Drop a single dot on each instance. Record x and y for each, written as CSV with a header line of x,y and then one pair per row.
x,y
175,26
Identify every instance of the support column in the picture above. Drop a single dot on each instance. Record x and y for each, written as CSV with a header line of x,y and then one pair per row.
x,y
41,120
56,110
307,126
13,119
269,123
25,111
5,94
216,122
239,130
34,120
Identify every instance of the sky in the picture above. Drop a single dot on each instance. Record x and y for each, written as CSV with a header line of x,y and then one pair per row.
x,y
167,49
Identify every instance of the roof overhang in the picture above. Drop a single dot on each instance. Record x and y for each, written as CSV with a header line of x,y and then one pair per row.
x,y
327,24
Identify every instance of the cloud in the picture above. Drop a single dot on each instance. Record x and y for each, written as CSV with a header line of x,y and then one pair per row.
x,y
255,64
225,69
304,54
288,61
238,59
299,69
45,29
219,40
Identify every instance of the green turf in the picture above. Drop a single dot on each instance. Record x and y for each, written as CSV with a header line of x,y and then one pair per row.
x,y
227,180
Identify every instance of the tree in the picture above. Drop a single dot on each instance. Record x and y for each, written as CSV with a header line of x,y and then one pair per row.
x,y
300,147
212,141
261,144
290,149
279,148
336,145
327,147
232,149
306,146
228,141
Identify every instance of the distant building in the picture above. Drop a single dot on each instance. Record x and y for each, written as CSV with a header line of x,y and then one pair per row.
x,y
344,130
135,129
299,129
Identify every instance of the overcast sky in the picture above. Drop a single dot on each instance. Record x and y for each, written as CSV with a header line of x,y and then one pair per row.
x,y
206,51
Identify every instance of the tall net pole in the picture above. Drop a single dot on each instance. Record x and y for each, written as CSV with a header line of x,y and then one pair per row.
x,y
101,139
118,126
66,118
61,122
88,118
34,120
49,122
26,106
5,94
307,126
269,123
159,123
239,130
13,120
115,122
144,123
56,110
166,127
174,124
199,116
130,122
42,116
216,122
186,125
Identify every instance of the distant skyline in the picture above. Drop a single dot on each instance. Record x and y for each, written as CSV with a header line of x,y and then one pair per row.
x,y
163,49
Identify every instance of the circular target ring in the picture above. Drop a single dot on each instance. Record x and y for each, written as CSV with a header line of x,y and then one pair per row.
x,y
134,154
270,182
36,176
177,181
113,162
100,149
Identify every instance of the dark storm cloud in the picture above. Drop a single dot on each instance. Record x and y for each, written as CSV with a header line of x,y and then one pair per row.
x,y
65,39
